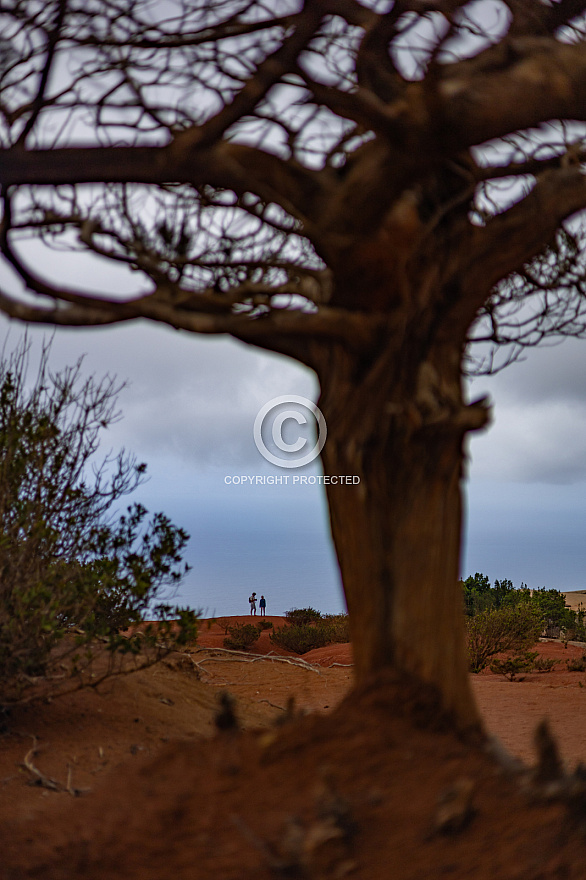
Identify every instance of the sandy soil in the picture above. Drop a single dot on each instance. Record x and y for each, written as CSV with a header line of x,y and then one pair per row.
x,y
575,599
135,781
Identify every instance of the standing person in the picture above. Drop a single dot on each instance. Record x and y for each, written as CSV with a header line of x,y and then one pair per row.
x,y
262,606
252,601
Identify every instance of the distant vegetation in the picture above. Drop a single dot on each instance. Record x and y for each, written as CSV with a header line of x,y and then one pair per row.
x,y
503,619
308,629
549,605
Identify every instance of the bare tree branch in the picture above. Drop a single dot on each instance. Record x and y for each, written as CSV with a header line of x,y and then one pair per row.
x,y
267,75
539,18
513,238
535,80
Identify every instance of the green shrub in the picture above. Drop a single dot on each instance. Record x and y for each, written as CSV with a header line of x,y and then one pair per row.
x,y
241,636
544,664
72,573
510,667
499,630
302,616
316,632
337,627
265,624
301,638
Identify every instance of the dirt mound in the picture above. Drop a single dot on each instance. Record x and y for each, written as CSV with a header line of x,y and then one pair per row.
x,y
380,784
373,785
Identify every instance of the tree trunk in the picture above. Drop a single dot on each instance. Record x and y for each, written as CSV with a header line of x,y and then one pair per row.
x,y
398,532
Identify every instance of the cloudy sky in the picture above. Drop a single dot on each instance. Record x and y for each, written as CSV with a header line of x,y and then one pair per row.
x,y
189,410
527,488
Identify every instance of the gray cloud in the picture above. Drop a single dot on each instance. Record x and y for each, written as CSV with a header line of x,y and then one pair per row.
x,y
539,430
188,398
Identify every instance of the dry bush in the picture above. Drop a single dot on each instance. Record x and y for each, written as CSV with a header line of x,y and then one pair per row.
x,y
577,665
326,630
503,629
241,636
301,638
302,616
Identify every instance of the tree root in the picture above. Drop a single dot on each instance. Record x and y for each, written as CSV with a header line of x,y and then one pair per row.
x,y
47,782
245,657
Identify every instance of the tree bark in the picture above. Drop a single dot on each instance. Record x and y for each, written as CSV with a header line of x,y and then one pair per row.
x,y
397,533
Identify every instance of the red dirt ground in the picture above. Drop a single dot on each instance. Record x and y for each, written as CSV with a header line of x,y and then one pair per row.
x,y
355,788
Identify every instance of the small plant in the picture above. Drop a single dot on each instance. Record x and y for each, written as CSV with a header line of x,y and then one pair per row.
x,y
265,624
544,664
302,616
578,664
510,667
241,636
223,623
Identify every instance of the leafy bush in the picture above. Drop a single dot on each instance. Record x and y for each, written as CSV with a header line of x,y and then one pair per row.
x,y
241,636
499,630
72,574
302,616
265,624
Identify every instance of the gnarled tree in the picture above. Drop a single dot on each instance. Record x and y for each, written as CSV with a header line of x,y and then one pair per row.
x,y
363,186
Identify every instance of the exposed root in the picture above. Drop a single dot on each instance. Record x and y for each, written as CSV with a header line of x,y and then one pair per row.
x,y
38,777
47,782
274,705
245,657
